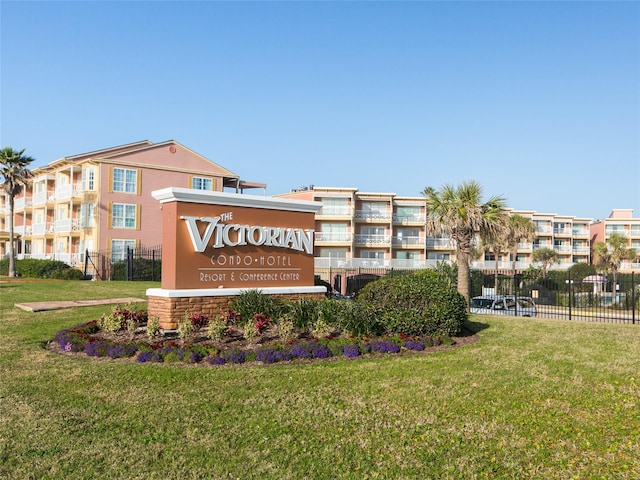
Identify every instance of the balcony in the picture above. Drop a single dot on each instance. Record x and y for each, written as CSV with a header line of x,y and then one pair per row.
x,y
544,229
562,231
68,191
409,219
327,237
361,239
355,263
581,250
67,225
41,198
369,216
562,248
22,203
334,212
408,242
442,243
43,228
582,233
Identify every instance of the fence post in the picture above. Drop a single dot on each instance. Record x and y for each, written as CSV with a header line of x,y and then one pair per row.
x,y
569,291
633,298
86,262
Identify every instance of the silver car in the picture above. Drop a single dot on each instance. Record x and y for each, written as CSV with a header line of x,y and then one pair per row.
x,y
504,305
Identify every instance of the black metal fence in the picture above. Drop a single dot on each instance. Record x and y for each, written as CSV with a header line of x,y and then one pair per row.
x,y
591,298
137,264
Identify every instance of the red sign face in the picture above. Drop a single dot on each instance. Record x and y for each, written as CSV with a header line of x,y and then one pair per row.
x,y
208,245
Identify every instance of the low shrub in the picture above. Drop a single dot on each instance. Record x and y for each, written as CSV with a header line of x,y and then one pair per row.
x,y
35,268
421,303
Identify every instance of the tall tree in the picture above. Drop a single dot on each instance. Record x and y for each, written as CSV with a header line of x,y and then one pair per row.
x,y
610,255
547,257
16,174
459,213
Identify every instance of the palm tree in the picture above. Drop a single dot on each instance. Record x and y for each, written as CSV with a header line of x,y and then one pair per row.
x,y
610,255
547,257
459,213
14,167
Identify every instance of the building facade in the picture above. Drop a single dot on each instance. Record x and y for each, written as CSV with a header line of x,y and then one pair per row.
x,y
360,229
101,201
620,221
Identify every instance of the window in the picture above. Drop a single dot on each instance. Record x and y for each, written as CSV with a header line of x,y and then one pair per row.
x,y
119,249
335,206
409,214
373,254
88,178
370,231
408,255
124,180
200,183
86,215
123,215
333,253
438,256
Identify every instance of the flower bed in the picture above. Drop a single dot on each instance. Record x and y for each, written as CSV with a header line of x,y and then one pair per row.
x,y
92,341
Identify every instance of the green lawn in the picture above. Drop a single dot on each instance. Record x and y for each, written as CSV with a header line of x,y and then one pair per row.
x,y
532,398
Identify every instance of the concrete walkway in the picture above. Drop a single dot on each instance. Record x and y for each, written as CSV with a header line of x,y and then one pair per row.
x,y
44,306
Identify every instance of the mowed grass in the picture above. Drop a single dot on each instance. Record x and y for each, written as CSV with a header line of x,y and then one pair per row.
x,y
532,398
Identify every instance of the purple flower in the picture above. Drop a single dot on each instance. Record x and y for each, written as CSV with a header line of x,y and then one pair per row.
x,y
351,350
235,356
144,357
215,360
414,345
384,346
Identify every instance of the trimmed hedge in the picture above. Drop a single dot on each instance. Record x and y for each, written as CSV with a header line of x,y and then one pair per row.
x,y
421,303
32,268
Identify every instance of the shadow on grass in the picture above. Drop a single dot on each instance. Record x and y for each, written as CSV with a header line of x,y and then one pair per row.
x,y
471,328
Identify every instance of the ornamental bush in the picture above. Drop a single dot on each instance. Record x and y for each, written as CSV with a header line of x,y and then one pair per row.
x,y
421,303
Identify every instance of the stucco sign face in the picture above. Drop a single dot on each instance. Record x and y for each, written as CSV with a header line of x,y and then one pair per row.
x,y
235,241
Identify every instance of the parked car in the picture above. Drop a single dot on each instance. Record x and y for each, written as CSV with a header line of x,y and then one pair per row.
x,y
504,305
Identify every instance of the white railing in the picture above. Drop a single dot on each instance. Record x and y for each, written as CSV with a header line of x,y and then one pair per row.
x,y
562,248
67,191
544,229
21,230
326,262
22,202
67,225
42,228
404,219
439,242
332,237
525,246
334,212
562,231
581,233
367,215
43,197
581,250
408,241
372,239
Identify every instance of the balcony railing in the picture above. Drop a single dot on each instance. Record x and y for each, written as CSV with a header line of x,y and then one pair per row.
x,y
361,239
367,215
333,237
334,212
581,250
441,243
544,229
68,191
581,233
43,228
408,241
405,219
562,248
562,231
67,225
22,202
44,197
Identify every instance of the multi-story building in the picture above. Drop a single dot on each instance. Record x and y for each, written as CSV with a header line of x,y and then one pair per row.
x,y
101,201
359,229
620,221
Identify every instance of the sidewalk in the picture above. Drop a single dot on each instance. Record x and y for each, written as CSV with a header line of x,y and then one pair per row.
x,y
44,306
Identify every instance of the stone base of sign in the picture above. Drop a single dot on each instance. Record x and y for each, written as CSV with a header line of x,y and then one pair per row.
x,y
170,306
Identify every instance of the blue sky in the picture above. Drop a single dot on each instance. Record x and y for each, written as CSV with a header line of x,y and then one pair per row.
x,y
537,101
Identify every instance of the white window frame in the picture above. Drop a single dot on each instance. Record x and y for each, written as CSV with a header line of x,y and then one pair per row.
x,y
201,183
122,214
124,180
119,249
